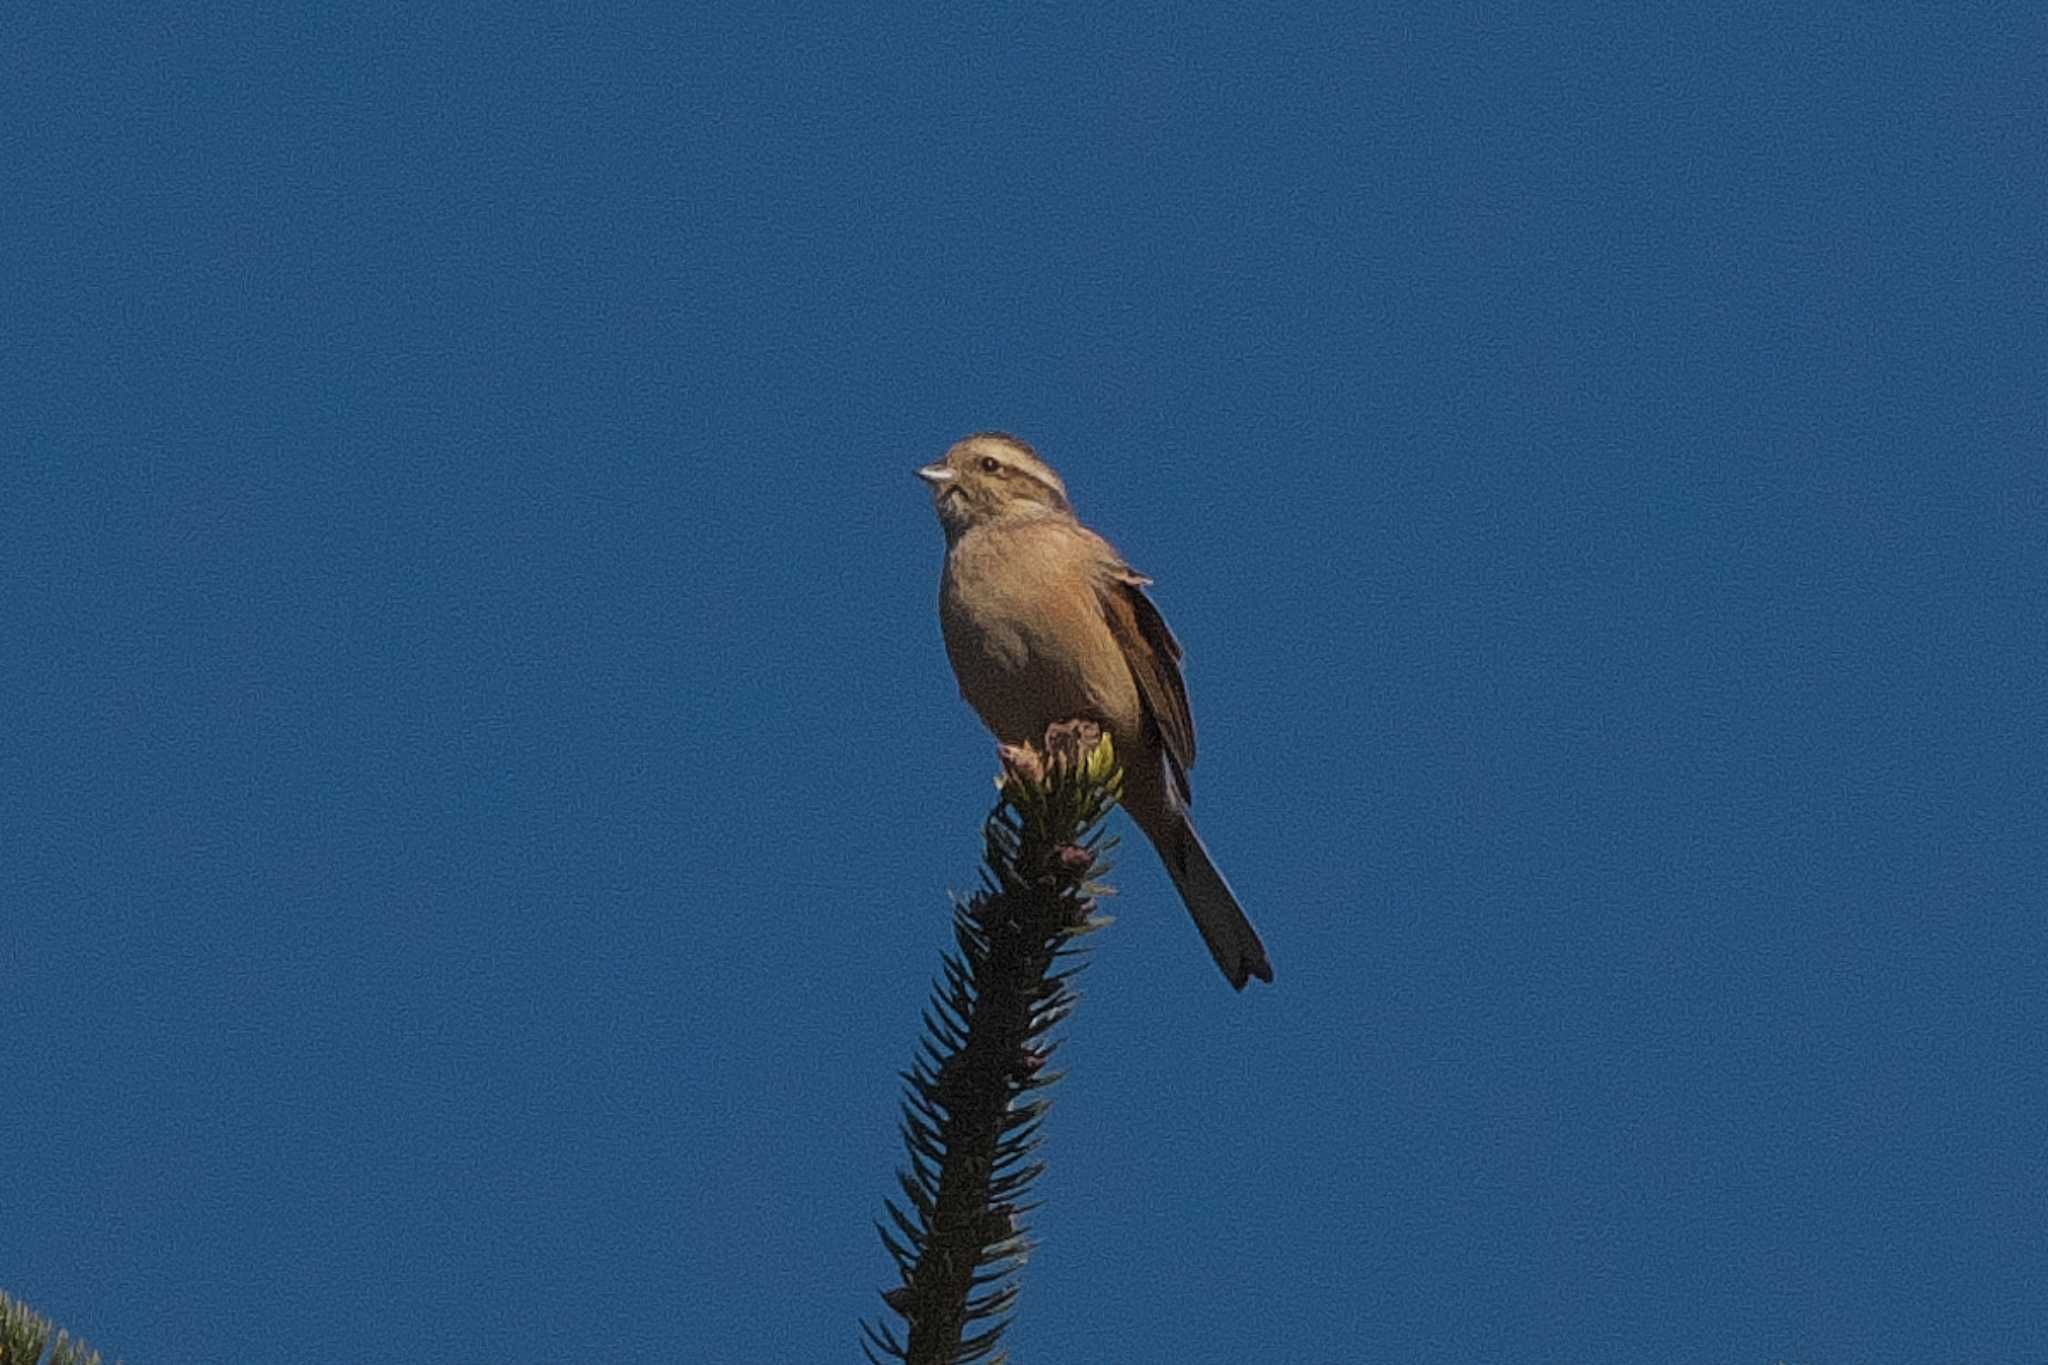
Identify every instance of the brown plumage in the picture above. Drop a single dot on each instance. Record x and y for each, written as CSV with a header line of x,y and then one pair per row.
x,y
1044,622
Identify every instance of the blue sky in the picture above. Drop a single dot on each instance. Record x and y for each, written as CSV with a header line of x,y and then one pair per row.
x,y
482,778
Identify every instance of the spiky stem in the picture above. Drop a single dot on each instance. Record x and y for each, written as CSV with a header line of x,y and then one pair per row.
x,y
973,1104
24,1333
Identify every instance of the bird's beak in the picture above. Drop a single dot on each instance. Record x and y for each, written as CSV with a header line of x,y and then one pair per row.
x,y
937,475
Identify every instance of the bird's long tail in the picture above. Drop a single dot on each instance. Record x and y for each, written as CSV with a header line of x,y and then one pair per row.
x,y
1225,928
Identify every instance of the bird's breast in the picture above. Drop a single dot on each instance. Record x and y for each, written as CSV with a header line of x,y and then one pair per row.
x,y
1028,641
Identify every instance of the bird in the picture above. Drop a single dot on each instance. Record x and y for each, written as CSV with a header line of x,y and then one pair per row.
x,y
1045,622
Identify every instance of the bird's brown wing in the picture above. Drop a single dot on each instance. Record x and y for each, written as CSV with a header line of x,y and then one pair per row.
x,y
1154,658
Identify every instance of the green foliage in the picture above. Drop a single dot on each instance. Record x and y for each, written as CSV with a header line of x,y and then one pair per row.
x,y
974,1101
24,1334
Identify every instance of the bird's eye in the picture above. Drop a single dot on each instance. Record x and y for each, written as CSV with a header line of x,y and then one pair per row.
x,y
990,464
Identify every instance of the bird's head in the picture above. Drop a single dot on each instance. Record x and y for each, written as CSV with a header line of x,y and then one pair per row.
x,y
992,476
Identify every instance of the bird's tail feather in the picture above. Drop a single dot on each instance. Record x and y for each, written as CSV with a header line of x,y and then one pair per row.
x,y
1225,928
